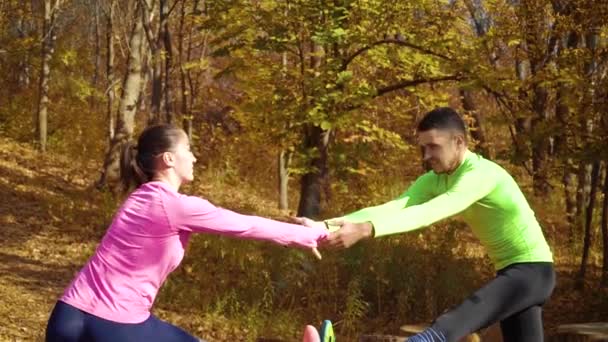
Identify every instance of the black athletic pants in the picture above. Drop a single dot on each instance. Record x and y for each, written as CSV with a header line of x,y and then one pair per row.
x,y
514,298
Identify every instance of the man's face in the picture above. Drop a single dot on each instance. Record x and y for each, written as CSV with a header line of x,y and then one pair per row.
x,y
441,149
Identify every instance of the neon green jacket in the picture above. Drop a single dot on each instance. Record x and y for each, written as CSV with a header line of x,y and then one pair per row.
x,y
487,198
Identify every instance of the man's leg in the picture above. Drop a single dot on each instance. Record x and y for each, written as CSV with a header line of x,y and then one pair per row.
x,y
514,289
524,326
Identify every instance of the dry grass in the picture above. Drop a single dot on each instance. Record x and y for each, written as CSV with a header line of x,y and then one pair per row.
x,y
51,220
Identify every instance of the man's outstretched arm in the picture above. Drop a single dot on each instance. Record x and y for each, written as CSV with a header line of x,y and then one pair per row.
x,y
391,219
420,191
415,194
349,229
468,189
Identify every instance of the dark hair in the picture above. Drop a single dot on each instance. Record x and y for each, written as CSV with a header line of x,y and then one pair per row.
x,y
443,118
138,163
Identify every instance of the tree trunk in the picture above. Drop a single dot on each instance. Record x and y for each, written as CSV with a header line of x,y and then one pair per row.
x,y
604,281
481,23
562,148
582,192
569,181
196,51
563,151
588,121
562,110
540,143
168,55
97,57
312,181
595,177
146,76
185,113
132,86
534,22
316,139
284,155
284,160
48,39
521,124
157,65
477,131
110,70
23,78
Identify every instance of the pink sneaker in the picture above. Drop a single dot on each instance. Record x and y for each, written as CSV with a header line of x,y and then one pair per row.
x,y
311,334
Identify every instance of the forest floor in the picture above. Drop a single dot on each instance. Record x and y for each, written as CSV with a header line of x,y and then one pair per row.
x,y
50,222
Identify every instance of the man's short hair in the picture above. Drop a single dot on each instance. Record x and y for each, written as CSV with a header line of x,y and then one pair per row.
x,y
443,118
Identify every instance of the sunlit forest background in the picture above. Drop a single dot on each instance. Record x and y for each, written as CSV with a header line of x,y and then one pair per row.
x,y
299,107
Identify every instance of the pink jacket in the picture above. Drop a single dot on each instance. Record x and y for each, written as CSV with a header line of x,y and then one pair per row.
x,y
146,242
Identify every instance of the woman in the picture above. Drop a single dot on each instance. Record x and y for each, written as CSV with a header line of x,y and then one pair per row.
x,y
110,299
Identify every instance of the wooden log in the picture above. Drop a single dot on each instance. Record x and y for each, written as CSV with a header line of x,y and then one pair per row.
x,y
382,338
490,334
393,338
413,329
583,332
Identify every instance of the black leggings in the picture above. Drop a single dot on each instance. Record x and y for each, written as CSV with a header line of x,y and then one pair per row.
x,y
69,324
514,298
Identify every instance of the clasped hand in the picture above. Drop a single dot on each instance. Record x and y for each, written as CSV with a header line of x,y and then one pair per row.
x,y
345,236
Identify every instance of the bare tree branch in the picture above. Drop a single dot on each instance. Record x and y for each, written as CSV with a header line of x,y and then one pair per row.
x,y
408,83
399,42
415,82
146,18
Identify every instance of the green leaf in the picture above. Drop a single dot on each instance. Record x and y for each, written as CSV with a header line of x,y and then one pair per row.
x,y
326,125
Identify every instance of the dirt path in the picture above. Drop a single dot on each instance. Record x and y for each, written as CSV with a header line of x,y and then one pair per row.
x,y
41,245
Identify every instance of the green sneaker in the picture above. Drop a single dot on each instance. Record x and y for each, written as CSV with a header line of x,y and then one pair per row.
x,y
327,332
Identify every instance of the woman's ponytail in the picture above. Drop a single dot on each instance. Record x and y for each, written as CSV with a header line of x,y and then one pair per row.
x,y
131,173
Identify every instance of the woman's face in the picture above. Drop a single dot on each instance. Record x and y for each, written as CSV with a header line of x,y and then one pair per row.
x,y
184,159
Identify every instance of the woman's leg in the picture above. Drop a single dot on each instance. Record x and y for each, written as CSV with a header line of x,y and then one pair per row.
x,y
66,324
152,329
167,331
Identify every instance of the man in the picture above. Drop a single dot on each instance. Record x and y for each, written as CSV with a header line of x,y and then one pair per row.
x,y
491,203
